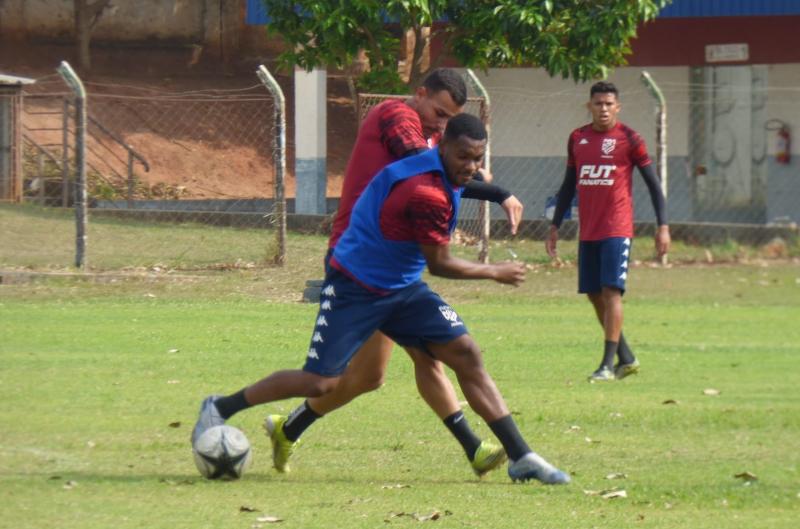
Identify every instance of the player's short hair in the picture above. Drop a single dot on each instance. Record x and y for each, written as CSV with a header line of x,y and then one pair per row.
x,y
603,87
465,125
450,80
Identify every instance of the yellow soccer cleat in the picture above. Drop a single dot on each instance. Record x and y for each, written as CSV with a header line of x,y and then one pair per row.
x,y
487,457
282,447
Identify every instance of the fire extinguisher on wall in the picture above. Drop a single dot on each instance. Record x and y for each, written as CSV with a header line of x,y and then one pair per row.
x,y
783,145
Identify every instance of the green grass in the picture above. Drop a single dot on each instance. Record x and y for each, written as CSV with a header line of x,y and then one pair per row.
x,y
89,389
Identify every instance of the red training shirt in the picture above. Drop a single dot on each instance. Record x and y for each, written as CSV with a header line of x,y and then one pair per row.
x,y
418,209
604,163
390,130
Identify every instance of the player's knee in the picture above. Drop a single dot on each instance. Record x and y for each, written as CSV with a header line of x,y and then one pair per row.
x,y
369,380
320,386
468,355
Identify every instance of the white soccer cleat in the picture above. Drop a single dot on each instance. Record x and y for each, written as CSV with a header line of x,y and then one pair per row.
x,y
533,466
209,416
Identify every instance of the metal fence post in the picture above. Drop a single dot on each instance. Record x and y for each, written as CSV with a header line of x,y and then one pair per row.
x,y
74,82
65,156
485,215
661,129
278,157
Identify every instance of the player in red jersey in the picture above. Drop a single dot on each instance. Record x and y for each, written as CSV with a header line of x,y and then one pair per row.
x,y
393,130
601,158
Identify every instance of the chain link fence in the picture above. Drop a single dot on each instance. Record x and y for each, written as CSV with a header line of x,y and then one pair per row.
x,y
724,170
185,178
176,179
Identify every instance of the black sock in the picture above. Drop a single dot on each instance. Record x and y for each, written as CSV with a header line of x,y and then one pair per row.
x,y
459,427
299,421
624,352
232,404
609,354
507,432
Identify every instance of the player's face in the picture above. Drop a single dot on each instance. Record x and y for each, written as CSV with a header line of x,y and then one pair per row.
x,y
604,109
434,109
462,157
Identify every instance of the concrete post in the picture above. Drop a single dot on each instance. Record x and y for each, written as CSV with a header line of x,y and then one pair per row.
x,y
310,117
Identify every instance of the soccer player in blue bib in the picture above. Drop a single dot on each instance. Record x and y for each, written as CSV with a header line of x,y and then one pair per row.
x,y
401,224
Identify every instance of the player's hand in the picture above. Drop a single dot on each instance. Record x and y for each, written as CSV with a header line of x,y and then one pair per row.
x,y
663,240
509,273
551,242
487,176
513,208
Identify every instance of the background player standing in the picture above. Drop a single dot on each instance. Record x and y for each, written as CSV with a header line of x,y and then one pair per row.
x,y
600,161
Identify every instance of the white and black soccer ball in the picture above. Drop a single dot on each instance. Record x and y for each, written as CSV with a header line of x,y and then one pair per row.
x,y
222,452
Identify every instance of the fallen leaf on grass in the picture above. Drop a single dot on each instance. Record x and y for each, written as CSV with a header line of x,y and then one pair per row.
x,y
616,475
70,485
175,424
247,508
173,381
396,486
607,494
435,515
711,392
614,494
269,519
746,476
573,428
670,401
173,350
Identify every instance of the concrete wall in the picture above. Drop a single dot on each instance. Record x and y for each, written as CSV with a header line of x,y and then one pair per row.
x,y
176,21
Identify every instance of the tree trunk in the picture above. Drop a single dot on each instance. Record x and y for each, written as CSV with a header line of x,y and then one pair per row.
x,y
83,35
86,16
420,59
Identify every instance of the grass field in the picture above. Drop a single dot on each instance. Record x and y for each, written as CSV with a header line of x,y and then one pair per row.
x,y
95,376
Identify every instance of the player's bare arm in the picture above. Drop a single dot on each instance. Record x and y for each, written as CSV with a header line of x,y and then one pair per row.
x,y
441,263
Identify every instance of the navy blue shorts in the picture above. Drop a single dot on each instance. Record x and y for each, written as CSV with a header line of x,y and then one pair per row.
x,y
349,314
603,263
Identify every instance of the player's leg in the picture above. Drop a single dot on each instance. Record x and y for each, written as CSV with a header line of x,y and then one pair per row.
x,y
615,255
345,320
590,283
464,357
426,324
438,392
627,363
364,373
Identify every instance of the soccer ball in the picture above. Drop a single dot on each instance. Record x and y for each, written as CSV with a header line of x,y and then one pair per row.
x,y
222,452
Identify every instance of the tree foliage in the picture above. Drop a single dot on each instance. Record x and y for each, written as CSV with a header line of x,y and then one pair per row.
x,y
578,39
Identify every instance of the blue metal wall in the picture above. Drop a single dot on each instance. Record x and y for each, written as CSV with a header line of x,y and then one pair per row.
x,y
257,14
730,8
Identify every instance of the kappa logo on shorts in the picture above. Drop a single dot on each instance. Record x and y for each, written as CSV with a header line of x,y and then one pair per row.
x,y
608,145
312,353
317,337
322,322
450,315
329,291
325,305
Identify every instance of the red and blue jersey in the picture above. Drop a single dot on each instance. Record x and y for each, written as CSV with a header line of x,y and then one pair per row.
x,y
411,202
604,163
389,131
